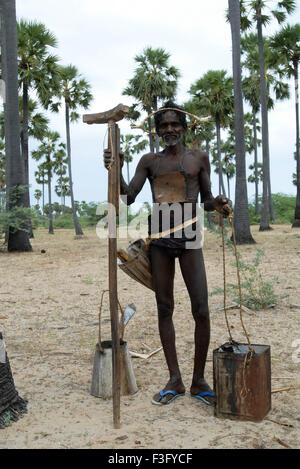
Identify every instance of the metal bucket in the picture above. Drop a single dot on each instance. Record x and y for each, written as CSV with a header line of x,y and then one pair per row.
x,y
242,381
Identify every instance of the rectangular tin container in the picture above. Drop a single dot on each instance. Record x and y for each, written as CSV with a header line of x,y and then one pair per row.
x,y
242,387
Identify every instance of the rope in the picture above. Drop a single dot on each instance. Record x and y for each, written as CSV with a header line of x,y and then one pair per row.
x,y
224,280
231,218
244,390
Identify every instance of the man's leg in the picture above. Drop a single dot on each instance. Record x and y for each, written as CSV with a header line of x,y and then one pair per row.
x,y
163,270
193,272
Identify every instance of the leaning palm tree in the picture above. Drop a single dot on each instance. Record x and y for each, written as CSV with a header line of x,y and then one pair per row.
x,y
74,93
154,80
18,239
37,71
213,94
279,10
286,46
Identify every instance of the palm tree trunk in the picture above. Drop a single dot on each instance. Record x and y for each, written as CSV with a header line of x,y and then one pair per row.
x,y
150,136
264,222
218,131
208,213
18,240
156,136
296,222
128,178
228,186
77,226
255,161
25,149
241,219
43,185
51,231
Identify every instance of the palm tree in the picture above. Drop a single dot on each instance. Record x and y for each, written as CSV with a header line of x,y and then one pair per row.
x,y
41,178
49,149
241,219
258,11
60,165
37,196
63,190
18,239
154,80
74,92
213,94
38,71
286,46
251,84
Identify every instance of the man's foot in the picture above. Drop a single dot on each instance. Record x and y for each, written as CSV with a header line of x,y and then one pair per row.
x,y
170,392
202,391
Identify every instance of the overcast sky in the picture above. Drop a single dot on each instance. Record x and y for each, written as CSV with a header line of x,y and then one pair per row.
x,y
102,38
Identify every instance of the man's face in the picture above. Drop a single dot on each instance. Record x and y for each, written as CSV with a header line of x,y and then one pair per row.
x,y
170,129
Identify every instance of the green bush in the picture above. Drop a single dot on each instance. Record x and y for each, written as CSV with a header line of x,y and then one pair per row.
x,y
284,206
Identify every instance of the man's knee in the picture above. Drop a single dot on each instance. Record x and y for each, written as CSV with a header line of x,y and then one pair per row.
x,y
165,309
200,311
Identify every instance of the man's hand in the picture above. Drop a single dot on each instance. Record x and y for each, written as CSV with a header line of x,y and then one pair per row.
x,y
223,205
107,158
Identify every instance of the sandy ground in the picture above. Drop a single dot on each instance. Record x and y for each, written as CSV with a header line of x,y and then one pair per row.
x,y
51,303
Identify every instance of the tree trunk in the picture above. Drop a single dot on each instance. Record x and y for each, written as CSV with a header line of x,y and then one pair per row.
x,y
51,231
296,222
156,136
264,222
241,219
218,131
228,186
255,162
150,136
43,185
25,149
77,226
18,240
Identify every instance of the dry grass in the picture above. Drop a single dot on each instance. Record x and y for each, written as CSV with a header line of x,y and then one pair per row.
x,y
51,303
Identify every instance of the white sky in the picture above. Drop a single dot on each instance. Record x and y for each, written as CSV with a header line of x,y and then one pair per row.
x,y
102,39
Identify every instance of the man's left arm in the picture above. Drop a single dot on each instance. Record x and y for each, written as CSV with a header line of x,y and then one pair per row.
x,y
220,203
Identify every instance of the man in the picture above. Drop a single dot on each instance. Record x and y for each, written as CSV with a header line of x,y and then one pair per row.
x,y
177,175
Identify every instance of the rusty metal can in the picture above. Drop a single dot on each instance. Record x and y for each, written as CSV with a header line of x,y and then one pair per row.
x,y
242,381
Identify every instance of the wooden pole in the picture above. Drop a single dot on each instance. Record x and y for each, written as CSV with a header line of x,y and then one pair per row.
x,y
111,117
113,199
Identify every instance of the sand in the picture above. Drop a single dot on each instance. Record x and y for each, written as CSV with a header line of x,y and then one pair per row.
x,y
48,316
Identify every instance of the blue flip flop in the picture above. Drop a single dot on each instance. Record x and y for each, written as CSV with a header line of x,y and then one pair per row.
x,y
201,396
175,394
